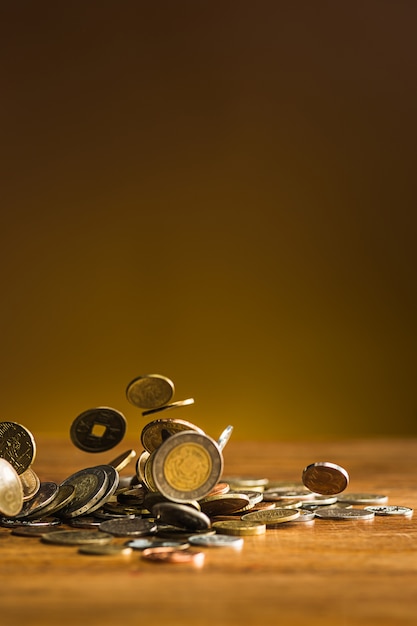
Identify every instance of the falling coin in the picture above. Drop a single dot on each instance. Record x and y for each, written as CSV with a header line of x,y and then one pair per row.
x,y
325,478
98,429
150,391
172,405
17,446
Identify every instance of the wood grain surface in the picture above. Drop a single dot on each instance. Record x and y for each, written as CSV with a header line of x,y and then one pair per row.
x,y
330,572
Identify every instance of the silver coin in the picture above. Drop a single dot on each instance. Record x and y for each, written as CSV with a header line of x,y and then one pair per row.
x,y
172,405
224,437
113,481
135,527
319,501
325,478
142,544
90,485
34,507
362,498
17,446
390,510
217,541
150,391
344,514
11,490
76,537
98,429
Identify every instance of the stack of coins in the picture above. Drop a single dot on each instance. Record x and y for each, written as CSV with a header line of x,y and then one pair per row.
x,y
176,500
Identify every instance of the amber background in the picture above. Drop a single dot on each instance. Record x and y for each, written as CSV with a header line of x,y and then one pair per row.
x,y
220,192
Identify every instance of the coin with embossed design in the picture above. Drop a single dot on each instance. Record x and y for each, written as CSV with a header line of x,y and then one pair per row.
x,y
30,483
325,478
272,516
90,485
17,446
187,466
150,391
11,491
158,431
98,429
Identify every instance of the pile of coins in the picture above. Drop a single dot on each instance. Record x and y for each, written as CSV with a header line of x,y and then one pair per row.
x,y
177,499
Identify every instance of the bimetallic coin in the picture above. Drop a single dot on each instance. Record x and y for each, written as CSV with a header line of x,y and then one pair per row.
x,y
11,490
98,429
217,541
109,549
172,405
362,498
76,537
17,446
272,517
135,527
90,485
390,510
123,460
150,391
240,528
187,466
181,516
224,437
158,431
30,484
344,514
171,555
325,478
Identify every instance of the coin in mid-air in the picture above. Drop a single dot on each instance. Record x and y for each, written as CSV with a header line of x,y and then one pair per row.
x,y
325,478
17,446
11,491
150,391
98,429
157,431
172,405
187,466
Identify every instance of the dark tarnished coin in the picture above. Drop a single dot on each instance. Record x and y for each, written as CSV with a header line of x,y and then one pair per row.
x,y
172,405
344,514
325,478
150,391
224,504
30,484
11,491
272,517
44,496
362,498
110,549
76,537
181,516
158,431
123,460
217,541
187,466
136,527
98,429
172,555
134,496
90,485
17,446
390,510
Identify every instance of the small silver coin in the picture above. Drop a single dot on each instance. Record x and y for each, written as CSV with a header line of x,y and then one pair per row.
x,y
344,514
217,541
98,429
224,437
390,510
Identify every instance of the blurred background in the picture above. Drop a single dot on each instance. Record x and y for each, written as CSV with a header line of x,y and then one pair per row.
x,y
219,192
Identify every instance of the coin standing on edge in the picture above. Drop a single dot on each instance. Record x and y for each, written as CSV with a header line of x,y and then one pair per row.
x,y
325,478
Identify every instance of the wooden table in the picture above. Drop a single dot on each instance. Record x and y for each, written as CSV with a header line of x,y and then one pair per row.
x,y
332,572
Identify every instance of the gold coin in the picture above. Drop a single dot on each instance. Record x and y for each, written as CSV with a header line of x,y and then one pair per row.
x,y
110,549
187,466
30,484
272,517
158,431
17,446
239,527
150,391
121,461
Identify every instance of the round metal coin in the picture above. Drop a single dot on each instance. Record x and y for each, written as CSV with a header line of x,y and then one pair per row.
x,y
390,510
44,496
11,491
17,446
98,429
150,391
172,405
344,514
181,516
30,484
76,537
172,555
158,431
325,478
362,498
272,517
109,549
239,527
187,466
90,485
136,527
217,541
